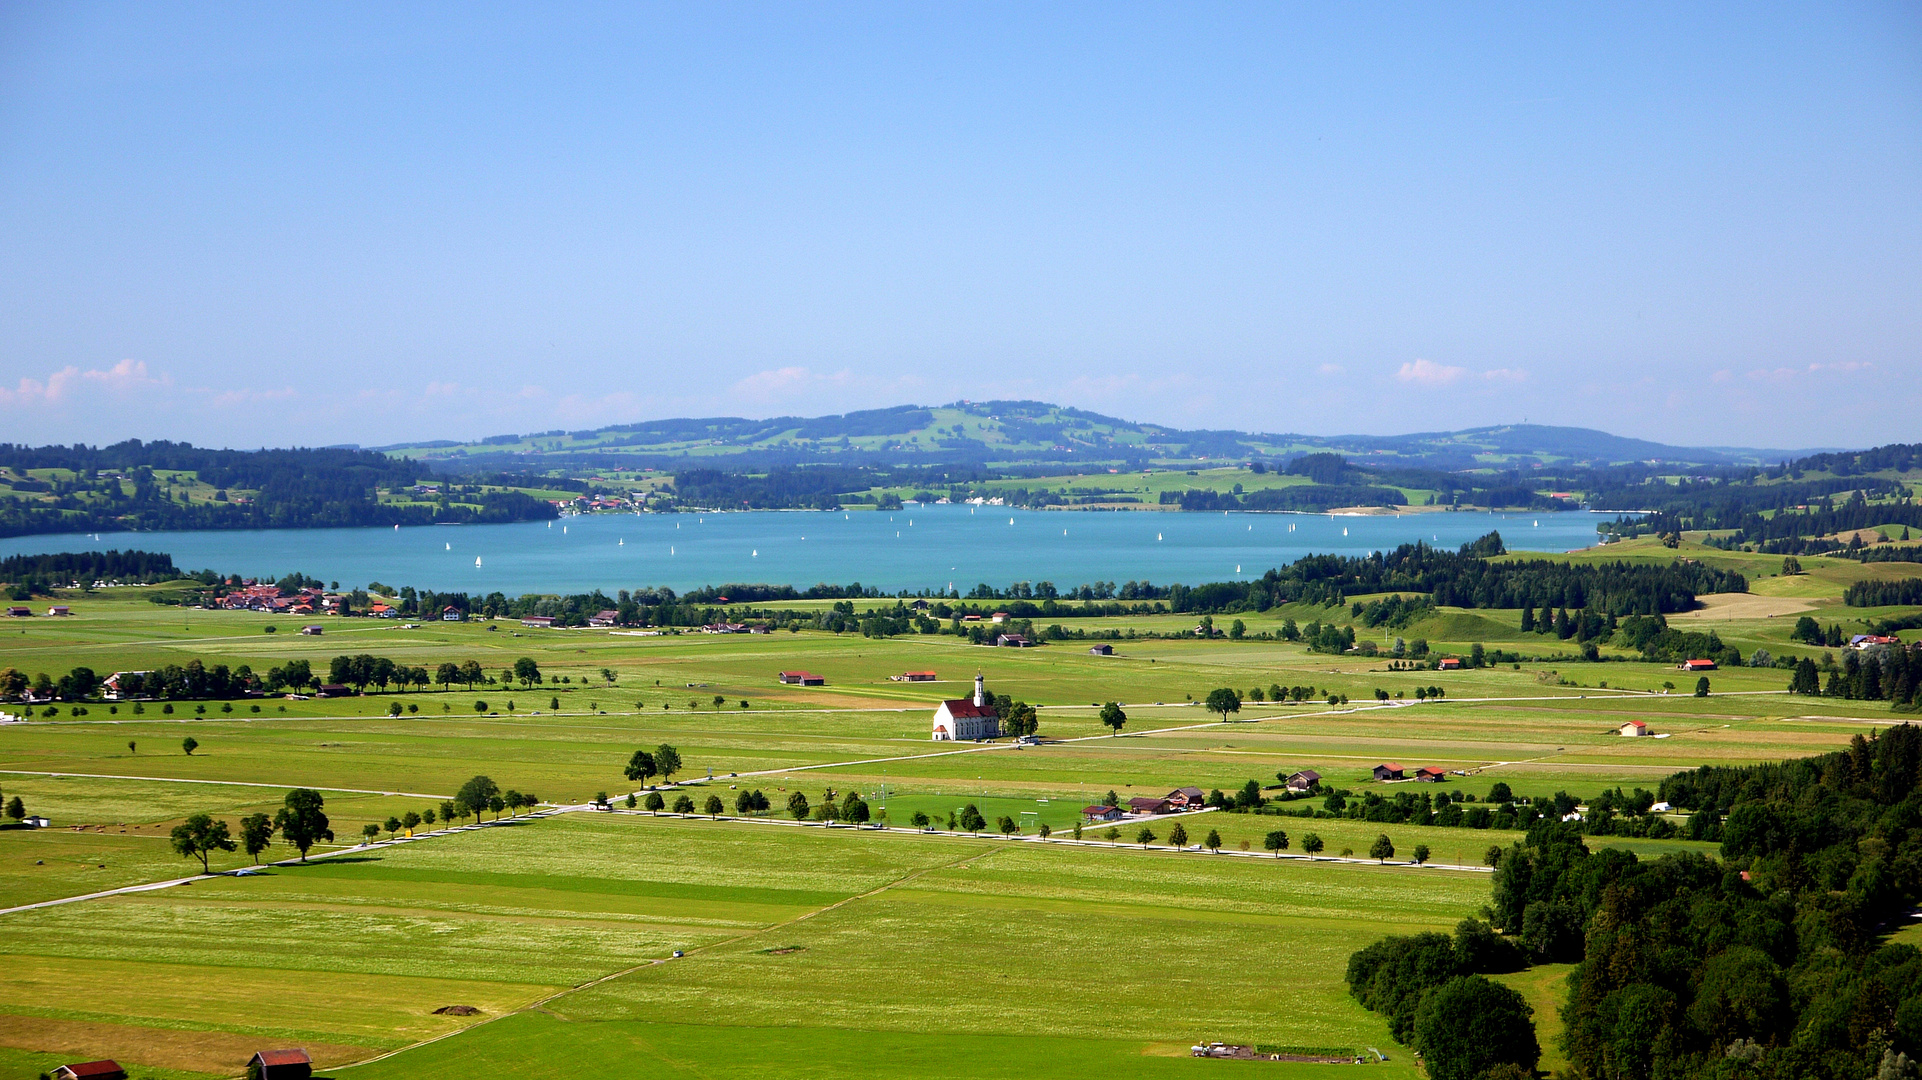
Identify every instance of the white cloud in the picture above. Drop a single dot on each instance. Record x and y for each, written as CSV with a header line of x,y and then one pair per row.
x,y
1336,369
1429,373
1505,375
70,381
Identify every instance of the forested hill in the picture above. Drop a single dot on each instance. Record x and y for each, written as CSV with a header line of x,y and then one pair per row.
x,y
1006,433
167,485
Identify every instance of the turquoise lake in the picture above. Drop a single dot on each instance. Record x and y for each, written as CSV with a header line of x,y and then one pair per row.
x,y
920,547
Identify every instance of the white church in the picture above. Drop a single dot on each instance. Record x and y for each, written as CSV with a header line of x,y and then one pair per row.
x,y
961,718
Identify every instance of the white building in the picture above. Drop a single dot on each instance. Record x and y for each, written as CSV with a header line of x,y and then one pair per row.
x,y
961,718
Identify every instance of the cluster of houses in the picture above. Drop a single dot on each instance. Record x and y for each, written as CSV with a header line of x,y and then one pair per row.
x,y
1393,770
1869,641
1177,801
56,611
267,1064
255,596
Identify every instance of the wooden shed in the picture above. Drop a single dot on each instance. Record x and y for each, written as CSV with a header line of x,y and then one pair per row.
x,y
281,1065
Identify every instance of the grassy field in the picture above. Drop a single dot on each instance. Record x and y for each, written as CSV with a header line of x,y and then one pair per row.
x,y
809,951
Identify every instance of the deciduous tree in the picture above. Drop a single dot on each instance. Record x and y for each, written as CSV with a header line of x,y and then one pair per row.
x,y
200,836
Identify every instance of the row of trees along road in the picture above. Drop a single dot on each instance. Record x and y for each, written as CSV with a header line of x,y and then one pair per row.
x,y
302,822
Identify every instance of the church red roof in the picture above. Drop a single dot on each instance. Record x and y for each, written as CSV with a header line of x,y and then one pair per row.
x,y
964,707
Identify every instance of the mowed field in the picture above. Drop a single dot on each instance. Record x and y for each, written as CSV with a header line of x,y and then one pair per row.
x,y
808,951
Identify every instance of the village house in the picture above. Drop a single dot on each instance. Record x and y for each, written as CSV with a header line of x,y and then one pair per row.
x,y
912,676
1101,813
609,617
1187,798
1633,729
110,686
281,1065
1305,780
960,719
1013,641
313,631
382,611
919,605
802,678
724,628
1143,805
1858,642
450,613
1101,650
539,622
1697,665
105,1069
1388,770
1448,664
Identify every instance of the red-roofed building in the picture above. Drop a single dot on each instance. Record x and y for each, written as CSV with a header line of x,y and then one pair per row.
x,y
1388,770
1448,664
1633,729
1698,665
282,1065
1428,775
802,678
967,718
912,676
1145,805
1101,813
104,1069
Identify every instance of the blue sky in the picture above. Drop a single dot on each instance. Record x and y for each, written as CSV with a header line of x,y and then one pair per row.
x,y
278,224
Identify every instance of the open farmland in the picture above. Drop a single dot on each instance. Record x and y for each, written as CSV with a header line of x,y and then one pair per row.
x,y
809,951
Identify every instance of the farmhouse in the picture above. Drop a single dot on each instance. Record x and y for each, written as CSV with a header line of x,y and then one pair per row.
x,y
1101,650
1186,798
1145,805
1697,665
1633,729
450,613
313,631
110,686
1388,770
281,1065
333,689
1012,641
802,678
1858,642
912,676
609,617
919,605
1101,813
967,718
1448,664
1000,617
1305,780
106,1069
539,622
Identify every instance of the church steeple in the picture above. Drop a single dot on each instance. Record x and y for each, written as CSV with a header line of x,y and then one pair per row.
x,y
980,691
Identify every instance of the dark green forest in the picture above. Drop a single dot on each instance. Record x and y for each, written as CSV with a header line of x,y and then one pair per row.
x,y
1771,962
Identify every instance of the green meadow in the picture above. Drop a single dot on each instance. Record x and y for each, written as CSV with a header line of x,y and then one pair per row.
x,y
808,951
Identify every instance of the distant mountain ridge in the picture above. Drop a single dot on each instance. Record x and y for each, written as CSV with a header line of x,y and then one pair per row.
x,y
1007,433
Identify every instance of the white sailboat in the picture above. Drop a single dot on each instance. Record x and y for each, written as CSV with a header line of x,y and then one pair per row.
x,y
477,562
756,553
1344,530
1157,537
449,547
620,543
